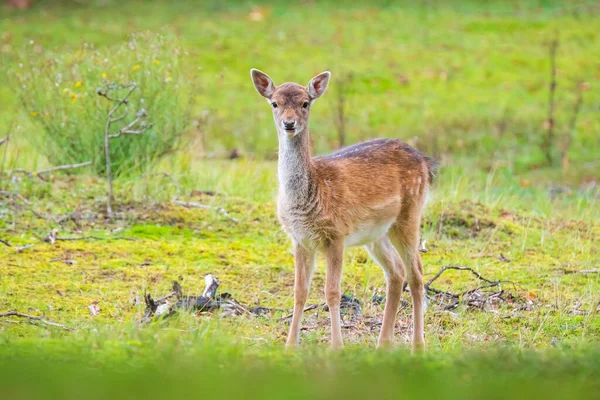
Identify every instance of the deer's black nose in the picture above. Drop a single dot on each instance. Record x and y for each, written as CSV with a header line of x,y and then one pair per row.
x,y
289,124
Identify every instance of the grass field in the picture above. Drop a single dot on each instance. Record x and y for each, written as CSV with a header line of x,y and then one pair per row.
x,y
464,81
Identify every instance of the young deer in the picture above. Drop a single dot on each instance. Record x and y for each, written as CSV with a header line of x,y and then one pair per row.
x,y
370,194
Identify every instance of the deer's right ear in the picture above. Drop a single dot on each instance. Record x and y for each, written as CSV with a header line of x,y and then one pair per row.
x,y
263,84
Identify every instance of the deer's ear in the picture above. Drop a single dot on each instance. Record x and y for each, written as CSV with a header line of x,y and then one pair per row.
x,y
318,85
263,84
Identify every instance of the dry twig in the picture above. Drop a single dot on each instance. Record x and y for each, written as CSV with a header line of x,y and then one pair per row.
x,y
589,271
53,238
308,308
32,318
473,297
70,239
42,172
24,247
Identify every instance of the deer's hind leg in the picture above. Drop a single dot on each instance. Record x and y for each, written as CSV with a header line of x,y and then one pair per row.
x,y
405,237
385,255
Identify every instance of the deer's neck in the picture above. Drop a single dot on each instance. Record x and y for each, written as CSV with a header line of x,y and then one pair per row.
x,y
295,166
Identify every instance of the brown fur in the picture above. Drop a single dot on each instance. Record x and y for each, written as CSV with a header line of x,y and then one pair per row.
x,y
369,194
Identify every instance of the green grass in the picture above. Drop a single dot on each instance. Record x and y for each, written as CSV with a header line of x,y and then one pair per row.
x,y
464,81
548,242
235,372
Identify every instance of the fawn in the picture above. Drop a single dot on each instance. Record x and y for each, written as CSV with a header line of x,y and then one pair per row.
x,y
370,194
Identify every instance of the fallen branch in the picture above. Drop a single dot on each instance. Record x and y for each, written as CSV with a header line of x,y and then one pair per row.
x,y
209,301
4,242
24,247
49,170
477,297
311,307
192,204
32,318
458,268
69,239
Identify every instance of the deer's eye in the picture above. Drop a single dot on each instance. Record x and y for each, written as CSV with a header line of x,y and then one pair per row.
x,y
305,105
274,104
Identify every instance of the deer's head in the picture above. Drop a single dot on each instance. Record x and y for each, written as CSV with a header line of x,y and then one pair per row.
x,y
290,101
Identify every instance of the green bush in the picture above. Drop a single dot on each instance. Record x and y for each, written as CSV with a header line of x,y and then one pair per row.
x,y
60,94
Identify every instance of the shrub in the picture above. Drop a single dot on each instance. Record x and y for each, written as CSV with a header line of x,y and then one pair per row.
x,y
59,92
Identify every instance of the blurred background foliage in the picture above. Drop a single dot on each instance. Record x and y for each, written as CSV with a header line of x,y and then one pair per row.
x,y
459,80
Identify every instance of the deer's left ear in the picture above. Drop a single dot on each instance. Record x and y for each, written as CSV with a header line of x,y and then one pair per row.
x,y
318,85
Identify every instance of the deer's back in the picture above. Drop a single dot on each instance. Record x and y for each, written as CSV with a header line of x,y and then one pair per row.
x,y
360,191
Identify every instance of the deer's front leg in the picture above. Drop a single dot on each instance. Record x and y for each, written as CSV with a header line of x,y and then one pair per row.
x,y
305,263
335,257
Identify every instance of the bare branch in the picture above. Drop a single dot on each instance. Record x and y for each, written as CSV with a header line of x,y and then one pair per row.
x,y
32,318
131,86
127,130
63,167
549,138
107,135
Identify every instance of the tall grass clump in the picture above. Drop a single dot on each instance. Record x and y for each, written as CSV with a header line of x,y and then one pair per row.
x,y
59,92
